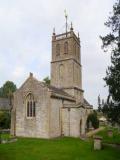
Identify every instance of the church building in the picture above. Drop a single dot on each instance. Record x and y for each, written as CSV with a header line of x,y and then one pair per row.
x,y
59,109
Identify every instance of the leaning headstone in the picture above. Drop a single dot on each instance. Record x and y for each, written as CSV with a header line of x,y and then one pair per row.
x,y
110,133
97,143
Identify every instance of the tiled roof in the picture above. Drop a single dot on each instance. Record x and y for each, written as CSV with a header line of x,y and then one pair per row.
x,y
86,102
59,91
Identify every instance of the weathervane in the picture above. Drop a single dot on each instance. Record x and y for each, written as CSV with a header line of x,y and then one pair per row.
x,y
66,17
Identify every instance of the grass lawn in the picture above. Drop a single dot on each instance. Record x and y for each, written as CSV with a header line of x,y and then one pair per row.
x,y
6,136
106,138
55,149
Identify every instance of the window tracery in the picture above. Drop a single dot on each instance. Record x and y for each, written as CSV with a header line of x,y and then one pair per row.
x,y
30,105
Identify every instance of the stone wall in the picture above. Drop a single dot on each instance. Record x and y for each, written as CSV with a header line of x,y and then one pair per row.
x,y
76,92
73,122
55,117
37,126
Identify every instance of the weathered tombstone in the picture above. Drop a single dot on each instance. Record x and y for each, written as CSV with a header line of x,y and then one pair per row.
x,y
97,143
110,133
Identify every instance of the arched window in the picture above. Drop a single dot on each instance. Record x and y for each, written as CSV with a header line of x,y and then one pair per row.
x,y
61,71
30,105
66,47
75,48
58,49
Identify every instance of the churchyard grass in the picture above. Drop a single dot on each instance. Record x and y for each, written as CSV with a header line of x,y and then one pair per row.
x,y
55,149
5,136
114,139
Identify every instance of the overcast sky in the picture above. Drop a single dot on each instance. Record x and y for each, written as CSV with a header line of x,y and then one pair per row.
x,y
25,39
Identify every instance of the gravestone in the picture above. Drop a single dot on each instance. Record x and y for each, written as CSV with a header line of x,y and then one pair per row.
x,y
97,143
110,133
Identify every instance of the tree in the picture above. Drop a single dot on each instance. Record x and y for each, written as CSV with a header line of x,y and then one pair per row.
x,y
46,80
1,92
103,102
7,89
99,104
92,118
111,43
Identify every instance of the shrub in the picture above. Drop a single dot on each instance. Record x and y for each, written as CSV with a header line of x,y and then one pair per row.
x,y
92,118
4,119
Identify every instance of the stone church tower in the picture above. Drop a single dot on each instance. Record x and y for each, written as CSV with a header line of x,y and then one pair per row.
x,y
66,69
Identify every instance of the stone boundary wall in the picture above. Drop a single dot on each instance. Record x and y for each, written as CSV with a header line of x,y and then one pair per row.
x,y
115,145
91,133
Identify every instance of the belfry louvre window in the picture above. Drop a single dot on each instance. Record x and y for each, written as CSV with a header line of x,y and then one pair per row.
x,y
66,47
30,105
58,49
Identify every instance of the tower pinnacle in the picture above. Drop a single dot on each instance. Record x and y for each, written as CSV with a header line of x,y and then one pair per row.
x,y
71,28
54,31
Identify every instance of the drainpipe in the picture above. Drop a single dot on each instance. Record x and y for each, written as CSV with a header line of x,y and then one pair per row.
x,y
69,120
